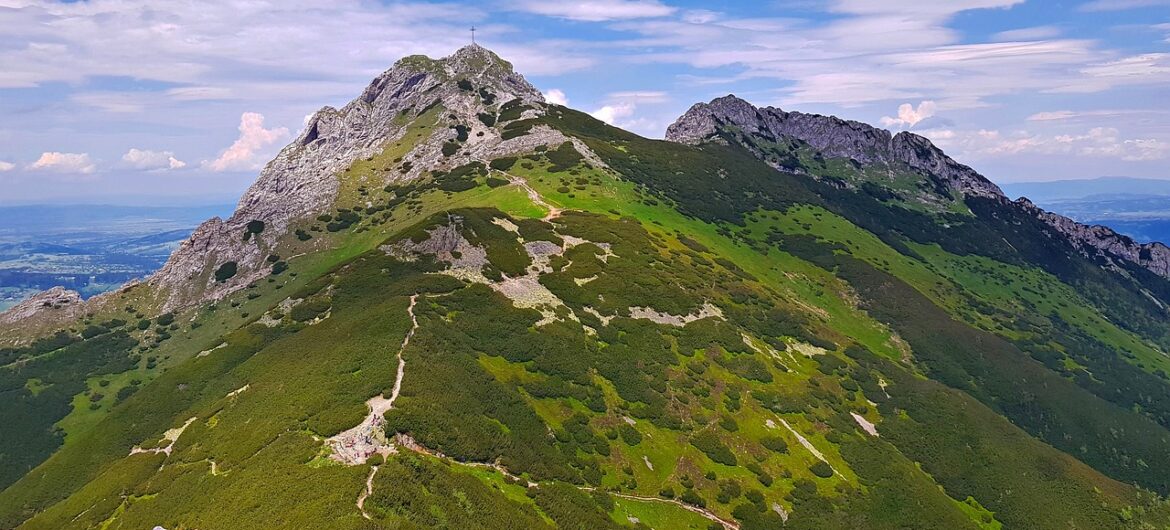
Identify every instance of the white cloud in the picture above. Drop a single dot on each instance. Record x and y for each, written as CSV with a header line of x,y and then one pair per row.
x,y
620,107
245,153
1052,116
1022,34
1106,115
152,160
200,93
640,96
597,10
1119,5
6,166
1147,64
111,101
874,52
612,113
64,163
1101,142
700,16
195,47
556,96
909,115
919,8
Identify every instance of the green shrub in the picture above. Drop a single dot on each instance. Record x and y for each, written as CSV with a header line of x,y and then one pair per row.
x,y
225,271
92,331
629,434
710,444
310,308
503,163
775,443
821,469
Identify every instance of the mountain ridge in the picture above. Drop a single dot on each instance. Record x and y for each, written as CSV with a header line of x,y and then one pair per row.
x,y
865,143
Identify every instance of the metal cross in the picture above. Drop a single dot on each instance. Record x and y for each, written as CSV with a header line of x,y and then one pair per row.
x,y
473,34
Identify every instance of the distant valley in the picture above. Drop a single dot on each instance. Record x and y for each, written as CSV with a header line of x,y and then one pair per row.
x,y
88,248
1139,208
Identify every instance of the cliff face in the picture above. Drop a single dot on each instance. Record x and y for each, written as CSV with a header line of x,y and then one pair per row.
x,y
837,138
1153,256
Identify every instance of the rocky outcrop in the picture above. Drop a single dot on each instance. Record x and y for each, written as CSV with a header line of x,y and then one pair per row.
x,y
834,137
58,301
1104,240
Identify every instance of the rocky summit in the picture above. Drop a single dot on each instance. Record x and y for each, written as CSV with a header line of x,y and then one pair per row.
x,y
451,304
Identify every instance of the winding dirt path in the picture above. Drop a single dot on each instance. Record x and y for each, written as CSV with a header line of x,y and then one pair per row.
x,y
402,361
535,196
356,445
361,501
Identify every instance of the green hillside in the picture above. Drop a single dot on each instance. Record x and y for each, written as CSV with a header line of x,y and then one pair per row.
x,y
608,331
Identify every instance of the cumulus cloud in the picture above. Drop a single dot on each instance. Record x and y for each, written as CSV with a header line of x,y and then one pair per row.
x,y
620,107
909,115
6,166
245,153
612,113
64,163
556,96
597,10
151,160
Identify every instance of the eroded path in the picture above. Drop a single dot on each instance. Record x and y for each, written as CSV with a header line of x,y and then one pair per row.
x,y
361,501
356,445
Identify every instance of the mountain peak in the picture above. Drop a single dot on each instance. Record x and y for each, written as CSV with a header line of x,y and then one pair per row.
x,y
443,101
474,58
831,136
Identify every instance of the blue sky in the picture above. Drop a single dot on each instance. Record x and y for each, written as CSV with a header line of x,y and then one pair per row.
x,y
119,101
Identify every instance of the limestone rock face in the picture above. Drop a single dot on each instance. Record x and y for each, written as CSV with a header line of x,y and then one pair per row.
x,y
832,136
58,301
303,180
835,137
1104,241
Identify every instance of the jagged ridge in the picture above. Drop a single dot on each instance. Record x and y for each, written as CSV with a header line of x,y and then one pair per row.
x,y
866,144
